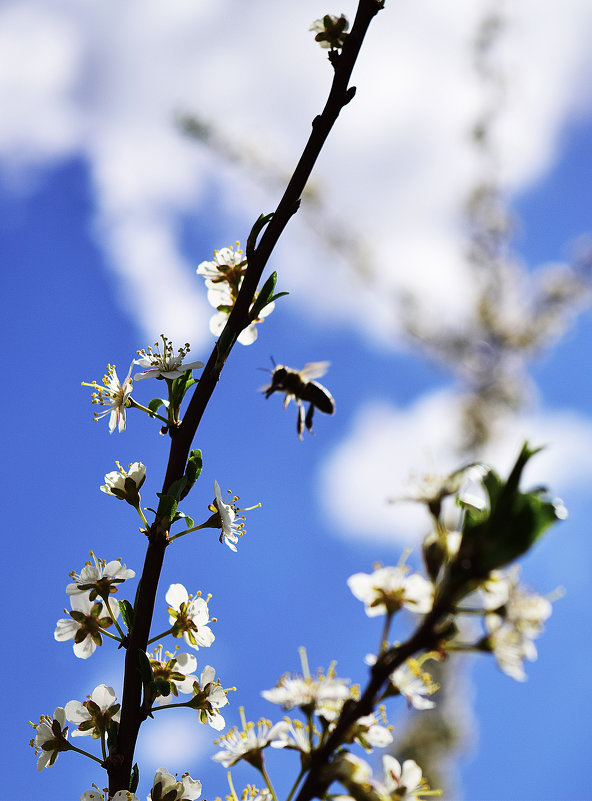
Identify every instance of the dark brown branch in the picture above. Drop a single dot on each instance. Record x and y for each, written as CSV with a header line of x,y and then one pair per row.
x,y
120,762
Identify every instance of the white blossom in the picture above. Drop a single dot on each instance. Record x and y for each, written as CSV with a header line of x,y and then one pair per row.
x,y
227,267
231,529
389,588
295,736
527,611
177,669
403,782
213,696
185,789
249,743
84,626
431,489
50,738
369,733
510,648
518,619
249,334
165,364
99,573
414,684
399,783
321,694
495,591
352,770
94,715
114,395
117,482
224,277
189,617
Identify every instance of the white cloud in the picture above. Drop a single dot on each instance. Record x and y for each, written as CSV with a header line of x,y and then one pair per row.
x,y
165,295
172,739
104,81
389,447
40,54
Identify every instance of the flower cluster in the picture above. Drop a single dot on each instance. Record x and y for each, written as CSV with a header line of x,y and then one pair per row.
x,y
90,618
323,696
159,361
224,276
514,618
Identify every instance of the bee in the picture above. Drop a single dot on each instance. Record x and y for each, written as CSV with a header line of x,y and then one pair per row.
x,y
299,387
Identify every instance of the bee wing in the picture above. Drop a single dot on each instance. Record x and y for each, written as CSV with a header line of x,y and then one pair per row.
x,y
314,370
320,397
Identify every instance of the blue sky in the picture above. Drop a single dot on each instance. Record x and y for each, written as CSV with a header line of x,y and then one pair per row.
x,y
105,214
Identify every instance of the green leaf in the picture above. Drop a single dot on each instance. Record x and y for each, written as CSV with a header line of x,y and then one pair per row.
x,y
276,296
127,613
259,225
180,386
177,488
181,516
156,403
134,778
167,508
263,297
224,344
508,529
192,470
146,671
194,466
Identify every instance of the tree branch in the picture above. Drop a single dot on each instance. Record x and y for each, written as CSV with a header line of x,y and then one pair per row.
x,y
120,761
318,779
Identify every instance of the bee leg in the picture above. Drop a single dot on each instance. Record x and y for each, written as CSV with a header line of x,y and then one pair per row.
x,y
309,416
300,420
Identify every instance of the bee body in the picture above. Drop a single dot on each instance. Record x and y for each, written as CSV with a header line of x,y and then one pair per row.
x,y
297,385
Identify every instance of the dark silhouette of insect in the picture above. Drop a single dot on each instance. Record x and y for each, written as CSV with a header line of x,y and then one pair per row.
x,y
299,387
